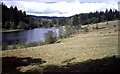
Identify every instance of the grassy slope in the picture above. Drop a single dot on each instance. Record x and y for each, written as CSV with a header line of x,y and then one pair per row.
x,y
94,44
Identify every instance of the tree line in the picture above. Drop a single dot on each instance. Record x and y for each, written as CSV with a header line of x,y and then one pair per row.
x,y
12,18
97,17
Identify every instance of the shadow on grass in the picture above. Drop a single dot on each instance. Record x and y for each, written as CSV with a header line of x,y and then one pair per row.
x,y
108,64
9,64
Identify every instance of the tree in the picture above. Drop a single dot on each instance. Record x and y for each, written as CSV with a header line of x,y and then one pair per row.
x,y
16,16
7,25
50,37
102,16
110,15
116,14
4,14
76,22
22,25
54,21
62,21
106,14
12,25
12,16
46,23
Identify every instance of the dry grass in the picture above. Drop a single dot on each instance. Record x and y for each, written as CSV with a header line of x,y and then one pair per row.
x,y
81,47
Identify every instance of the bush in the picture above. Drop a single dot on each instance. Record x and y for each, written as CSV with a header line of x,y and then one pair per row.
x,y
107,23
67,31
86,29
50,37
32,44
97,26
4,46
114,25
61,32
109,32
115,30
22,25
41,43
14,46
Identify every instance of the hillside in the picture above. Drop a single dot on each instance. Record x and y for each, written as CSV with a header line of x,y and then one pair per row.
x,y
80,47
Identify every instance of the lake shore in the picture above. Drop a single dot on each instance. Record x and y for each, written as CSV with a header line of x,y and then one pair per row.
x,y
14,30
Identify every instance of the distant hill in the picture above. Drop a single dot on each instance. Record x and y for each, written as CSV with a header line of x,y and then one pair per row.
x,y
47,17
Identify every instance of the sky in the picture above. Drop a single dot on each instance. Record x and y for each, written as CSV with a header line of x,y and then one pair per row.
x,y
61,8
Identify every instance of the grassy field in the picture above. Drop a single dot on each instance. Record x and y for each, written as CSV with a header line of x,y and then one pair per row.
x,y
80,47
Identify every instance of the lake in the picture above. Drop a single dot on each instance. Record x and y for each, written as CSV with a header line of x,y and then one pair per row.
x,y
28,36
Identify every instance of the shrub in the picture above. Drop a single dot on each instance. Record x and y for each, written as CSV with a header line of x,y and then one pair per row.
x,y
61,33
67,32
86,29
114,25
4,46
50,37
41,43
93,28
115,30
32,44
100,32
109,32
14,46
22,25
97,26
107,23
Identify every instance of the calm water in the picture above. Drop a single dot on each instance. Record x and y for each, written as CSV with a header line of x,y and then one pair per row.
x,y
28,35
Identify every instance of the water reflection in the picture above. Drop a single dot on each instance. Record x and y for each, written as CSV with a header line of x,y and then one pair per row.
x,y
27,36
